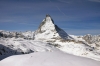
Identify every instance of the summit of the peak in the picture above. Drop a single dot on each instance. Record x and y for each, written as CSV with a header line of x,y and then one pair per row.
x,y
47,15
48,18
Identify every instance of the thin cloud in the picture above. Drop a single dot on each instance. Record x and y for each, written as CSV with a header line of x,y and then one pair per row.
x,y
27,24
4,21
24,6
61,11
58,8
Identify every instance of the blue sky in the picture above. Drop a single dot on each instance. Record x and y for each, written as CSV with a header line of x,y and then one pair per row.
x,y
78,17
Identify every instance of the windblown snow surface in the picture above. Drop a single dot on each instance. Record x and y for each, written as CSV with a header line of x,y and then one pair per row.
x,y
55,58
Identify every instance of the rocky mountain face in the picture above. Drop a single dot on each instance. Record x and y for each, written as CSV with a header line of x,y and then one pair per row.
x,y
48,30
92,40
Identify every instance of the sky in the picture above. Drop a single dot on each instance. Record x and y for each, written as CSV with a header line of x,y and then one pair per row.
x,y
77,17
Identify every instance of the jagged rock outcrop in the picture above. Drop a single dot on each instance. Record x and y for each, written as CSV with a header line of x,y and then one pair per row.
x,y
92,40
48,30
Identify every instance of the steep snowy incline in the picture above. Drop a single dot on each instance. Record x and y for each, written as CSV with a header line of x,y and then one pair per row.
x,y
55,58
48,30
22,46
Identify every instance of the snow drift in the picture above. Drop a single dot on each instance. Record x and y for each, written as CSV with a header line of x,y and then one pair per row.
x,y
56,58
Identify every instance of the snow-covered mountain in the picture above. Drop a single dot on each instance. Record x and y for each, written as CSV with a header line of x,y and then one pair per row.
x,y
92,39
9,34
48,30
46,38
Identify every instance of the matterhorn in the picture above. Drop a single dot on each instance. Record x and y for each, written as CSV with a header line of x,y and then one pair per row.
x,y
48,30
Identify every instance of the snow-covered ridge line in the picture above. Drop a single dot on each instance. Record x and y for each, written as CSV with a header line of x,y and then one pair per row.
x,y
9,34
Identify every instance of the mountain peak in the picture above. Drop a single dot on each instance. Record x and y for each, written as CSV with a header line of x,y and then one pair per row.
x,y
48,30
47,24
47,15
48,18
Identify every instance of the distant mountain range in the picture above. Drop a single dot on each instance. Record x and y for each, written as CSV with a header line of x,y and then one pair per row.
x,y
47,37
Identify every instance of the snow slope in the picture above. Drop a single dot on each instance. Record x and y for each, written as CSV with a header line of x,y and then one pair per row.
x,y
22,46
56,58
12,46
79,50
